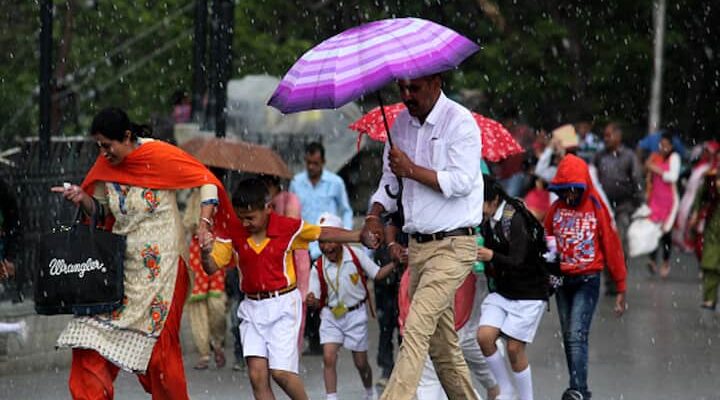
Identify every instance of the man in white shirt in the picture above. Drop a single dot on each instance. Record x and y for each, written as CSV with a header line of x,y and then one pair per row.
x,y
436,152
337,285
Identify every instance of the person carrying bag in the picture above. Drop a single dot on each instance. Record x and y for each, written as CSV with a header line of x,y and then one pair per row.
x,y
80,270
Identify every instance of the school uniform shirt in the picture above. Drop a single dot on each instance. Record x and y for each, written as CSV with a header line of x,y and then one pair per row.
x,y
448,143
350,283
267,266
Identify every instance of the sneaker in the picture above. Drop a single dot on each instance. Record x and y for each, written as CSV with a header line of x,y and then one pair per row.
x,y
572,394
22,333
238,366
381,383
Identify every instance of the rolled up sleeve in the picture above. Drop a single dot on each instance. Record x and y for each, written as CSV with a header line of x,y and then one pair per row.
x,y
457,179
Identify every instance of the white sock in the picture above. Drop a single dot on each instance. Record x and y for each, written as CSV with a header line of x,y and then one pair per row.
x,y
331,396
523,380
10,327
496,362
369,393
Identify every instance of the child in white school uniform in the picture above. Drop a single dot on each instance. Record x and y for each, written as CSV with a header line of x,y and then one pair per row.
x,y
338,286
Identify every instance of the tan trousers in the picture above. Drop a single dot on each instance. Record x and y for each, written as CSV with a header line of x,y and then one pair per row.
x,y
208,322
437,270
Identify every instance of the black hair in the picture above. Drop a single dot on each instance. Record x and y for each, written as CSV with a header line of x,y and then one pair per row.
x,y
535,229
667,135
493,190
178,96
251,194
315,147
270,180
617,126
113,122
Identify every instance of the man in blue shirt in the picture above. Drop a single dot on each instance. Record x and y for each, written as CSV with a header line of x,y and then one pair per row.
x,y
320,191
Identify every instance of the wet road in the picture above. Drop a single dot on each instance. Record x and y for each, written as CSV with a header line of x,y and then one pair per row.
x,y
658,350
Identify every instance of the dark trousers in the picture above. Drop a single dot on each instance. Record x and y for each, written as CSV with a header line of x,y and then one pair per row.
x,y
386,297
312,330
666,246
232,288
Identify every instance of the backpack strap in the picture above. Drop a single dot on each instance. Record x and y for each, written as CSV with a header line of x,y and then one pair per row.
x,y
323,284
363,278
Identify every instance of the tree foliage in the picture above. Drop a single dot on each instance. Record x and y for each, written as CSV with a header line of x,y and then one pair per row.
x,y
545,61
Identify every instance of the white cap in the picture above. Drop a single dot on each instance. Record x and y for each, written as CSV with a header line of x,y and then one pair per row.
x,y
331,220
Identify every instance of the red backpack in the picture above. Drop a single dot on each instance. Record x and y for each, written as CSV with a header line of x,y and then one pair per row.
x,y
360,271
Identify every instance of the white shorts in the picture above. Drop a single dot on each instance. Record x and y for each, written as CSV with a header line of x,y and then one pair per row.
x,y
518,319
350,330
270,329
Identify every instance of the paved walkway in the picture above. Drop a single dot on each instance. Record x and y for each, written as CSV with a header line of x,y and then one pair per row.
x,y
658,350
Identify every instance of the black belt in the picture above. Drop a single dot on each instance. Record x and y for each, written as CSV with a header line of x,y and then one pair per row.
x,y
355,307
429,237
271,294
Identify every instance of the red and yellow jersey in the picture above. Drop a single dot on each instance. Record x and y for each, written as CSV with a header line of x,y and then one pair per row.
x,y
267,266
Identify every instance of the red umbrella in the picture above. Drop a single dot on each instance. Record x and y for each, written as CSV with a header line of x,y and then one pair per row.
x,y
497,142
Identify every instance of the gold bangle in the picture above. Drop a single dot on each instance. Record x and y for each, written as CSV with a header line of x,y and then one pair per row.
x,y
207,220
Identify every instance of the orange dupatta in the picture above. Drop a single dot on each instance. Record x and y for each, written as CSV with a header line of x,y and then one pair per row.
x,y
160,165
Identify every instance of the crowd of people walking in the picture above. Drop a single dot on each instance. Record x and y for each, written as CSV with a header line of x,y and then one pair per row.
x,y
554,220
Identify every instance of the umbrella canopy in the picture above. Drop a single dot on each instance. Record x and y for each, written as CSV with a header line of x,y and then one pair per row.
x,y
237,156
497,142
363,59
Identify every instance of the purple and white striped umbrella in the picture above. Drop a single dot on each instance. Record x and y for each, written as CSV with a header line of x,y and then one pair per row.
x,y
363,59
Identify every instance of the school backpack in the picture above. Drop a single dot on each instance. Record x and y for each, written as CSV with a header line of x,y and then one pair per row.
x,y
547,260
361,273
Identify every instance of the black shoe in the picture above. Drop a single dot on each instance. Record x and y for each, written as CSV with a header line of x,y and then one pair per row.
x,y
572,394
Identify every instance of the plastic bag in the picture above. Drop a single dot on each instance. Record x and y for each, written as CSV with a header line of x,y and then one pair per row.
x,y
643,237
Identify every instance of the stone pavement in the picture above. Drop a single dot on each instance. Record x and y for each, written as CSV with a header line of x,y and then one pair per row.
x,y
658,350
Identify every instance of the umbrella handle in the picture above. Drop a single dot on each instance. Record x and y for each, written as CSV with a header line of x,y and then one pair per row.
x,y
390,193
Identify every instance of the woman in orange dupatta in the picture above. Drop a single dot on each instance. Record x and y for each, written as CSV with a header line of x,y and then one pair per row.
x,y
132,188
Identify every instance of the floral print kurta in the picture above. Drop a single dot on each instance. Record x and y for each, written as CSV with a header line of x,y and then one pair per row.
x,y
155,241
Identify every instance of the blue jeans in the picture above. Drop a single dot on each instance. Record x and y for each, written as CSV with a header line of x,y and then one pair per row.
x,y
576,301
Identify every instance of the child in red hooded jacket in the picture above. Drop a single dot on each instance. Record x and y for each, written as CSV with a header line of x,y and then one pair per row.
x,y
586,242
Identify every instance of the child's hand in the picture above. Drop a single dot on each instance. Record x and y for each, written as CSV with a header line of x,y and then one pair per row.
x,y
370,239
620,304
484,254
312,301
7,269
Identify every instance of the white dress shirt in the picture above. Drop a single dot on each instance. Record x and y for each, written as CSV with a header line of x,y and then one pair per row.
x,y
448,143
350,284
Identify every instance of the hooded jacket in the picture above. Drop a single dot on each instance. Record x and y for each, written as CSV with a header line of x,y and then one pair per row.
x,y
585,234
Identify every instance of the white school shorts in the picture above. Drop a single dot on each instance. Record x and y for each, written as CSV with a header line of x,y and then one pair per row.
x,y
350,330
518,319
270,329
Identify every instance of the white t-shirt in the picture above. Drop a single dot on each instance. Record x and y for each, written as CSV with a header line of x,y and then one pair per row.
x,y
350,283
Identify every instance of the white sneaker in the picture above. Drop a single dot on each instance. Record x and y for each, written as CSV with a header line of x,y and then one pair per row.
x,y
22,333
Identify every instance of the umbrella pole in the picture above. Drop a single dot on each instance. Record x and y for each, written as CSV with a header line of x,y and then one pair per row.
x,y
382,110
392,195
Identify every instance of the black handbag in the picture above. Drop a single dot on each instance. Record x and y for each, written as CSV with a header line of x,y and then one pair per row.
x,y
80,270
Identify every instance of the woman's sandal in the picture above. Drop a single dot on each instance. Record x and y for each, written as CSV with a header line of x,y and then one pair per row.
x,y
665,270
203,363
219,358
652,267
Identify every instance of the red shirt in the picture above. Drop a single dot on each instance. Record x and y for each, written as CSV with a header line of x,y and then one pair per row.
x,y
269,265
